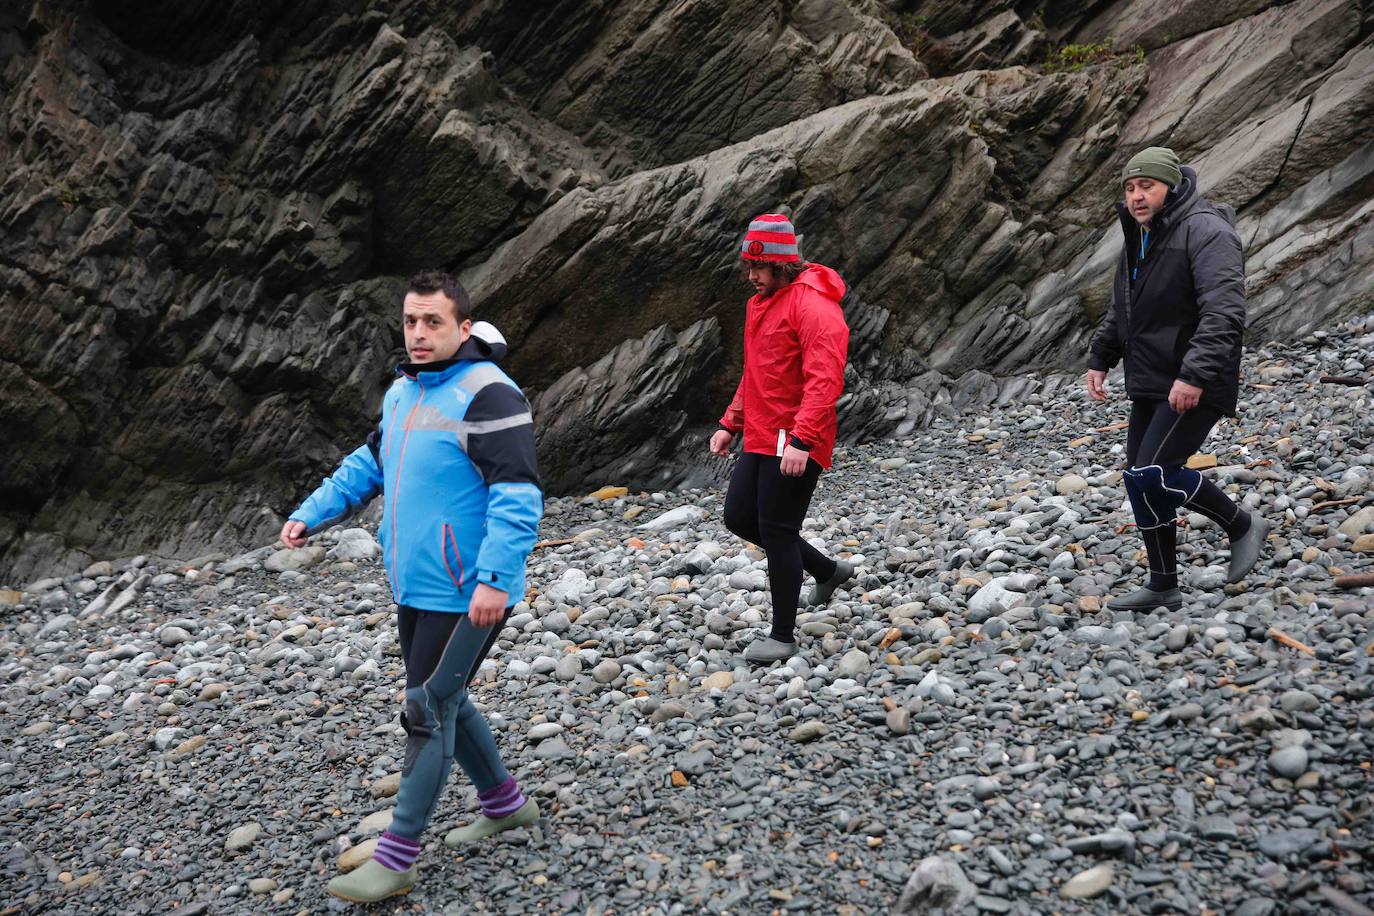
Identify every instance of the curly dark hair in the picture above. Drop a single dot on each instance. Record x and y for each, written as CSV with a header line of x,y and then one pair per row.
x,y
787,270
436,281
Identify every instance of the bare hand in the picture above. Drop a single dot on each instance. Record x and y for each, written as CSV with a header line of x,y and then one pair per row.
x,y
293,534
1184,397
488,605
720,443
1097,384
794,461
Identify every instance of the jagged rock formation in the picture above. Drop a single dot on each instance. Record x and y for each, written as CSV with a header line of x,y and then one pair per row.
x,y
208,208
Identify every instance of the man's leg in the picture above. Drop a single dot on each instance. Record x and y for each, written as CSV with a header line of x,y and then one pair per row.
x,y
503,805
433,706
742,498
742,514
1158,483
1245,533
426,636
782,505
1208,499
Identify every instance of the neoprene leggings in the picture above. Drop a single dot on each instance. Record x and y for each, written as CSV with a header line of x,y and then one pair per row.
x,y
766,508
1159,442
442,652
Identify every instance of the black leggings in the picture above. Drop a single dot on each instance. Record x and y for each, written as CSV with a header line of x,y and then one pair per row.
x,y
1159,442
1158,435
767,508
442,652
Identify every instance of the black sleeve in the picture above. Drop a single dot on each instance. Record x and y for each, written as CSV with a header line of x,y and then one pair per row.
x,y
499,433
374,444
1105,350
1217,261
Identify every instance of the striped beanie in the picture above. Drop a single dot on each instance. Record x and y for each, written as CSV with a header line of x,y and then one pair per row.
x,y
770,238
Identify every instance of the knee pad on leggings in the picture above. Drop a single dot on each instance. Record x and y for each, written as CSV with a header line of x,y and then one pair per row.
x,y
1157,491
419,730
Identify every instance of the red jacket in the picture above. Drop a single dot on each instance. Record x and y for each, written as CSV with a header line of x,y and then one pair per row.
x,y
795,345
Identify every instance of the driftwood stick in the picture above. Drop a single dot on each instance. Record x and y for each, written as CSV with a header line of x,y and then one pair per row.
x,y
1283,638
559,542
1344,380
1333,503
1355,580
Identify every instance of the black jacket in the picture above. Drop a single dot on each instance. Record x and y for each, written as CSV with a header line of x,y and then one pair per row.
x,y
1184,315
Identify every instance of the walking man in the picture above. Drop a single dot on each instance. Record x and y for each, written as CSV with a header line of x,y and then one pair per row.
x,y
454,461
1177,318
795,346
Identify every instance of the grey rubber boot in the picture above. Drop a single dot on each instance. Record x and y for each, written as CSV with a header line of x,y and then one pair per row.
x,y
485,826
820,595
372,881
1245,552
765,651
1147,599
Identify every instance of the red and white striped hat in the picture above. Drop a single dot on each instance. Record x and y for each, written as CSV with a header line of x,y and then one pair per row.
x,y
770,238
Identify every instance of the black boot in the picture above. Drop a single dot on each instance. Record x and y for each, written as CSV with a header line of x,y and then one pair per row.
x,y
1245,550
1147,599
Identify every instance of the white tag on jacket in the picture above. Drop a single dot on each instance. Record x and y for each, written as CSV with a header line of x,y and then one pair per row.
x,y
782,441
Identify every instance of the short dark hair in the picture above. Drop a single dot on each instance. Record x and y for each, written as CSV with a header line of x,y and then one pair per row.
x,y
788,270
436,281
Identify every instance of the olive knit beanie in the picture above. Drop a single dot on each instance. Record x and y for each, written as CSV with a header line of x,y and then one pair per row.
x,y
1157,162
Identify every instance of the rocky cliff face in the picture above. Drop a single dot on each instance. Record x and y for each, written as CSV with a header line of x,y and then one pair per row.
x,y
207,211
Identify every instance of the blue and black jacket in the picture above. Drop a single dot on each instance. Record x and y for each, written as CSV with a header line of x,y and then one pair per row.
x,y
454,461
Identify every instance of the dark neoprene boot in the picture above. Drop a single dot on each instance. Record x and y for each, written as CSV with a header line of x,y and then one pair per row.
x,y
765,651
1147,599
820,595
1245,550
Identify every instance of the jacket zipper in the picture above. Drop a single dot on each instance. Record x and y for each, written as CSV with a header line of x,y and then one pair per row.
x,y
396,490
1126,296
446,538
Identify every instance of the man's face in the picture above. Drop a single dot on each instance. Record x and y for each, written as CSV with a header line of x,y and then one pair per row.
x,y
1145,198
432,330
765,278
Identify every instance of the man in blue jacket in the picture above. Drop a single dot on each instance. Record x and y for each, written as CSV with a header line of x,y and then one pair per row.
x,y
454,461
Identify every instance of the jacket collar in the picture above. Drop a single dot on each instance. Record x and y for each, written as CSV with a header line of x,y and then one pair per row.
x,y
485,343
432,373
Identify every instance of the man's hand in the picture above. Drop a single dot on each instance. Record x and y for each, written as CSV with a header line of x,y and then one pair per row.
x,y
1184,397
488,605
794,461
1097,384
293,534
720,443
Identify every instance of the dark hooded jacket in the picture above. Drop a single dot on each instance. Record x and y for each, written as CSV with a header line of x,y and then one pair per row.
x,y
1184,314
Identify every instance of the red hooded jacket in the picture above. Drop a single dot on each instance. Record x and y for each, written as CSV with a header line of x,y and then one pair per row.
x,y
795,346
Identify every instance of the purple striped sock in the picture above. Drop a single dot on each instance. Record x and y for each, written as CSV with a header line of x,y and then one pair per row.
x,y
396,852
502,801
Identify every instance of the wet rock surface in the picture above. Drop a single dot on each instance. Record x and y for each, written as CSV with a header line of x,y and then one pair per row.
x,y
208,211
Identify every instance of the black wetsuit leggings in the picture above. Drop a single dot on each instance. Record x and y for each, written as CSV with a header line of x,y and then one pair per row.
x,y
767,508
1159,442
442,652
